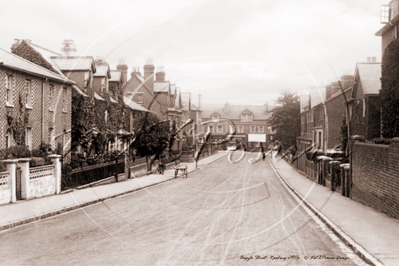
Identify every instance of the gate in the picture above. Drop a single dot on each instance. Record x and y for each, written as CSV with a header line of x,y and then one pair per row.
x,y
18,173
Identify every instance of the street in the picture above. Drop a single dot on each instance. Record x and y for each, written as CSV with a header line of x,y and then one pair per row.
x,y
222,214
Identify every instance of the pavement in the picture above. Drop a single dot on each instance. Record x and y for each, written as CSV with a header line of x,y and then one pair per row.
x,y
372,235
26,211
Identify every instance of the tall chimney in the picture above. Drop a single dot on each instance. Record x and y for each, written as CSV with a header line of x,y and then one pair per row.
x,y
122,68
68,48
149,74
160,75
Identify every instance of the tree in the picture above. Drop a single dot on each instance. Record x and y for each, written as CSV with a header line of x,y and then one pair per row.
x,y
286,119
152,135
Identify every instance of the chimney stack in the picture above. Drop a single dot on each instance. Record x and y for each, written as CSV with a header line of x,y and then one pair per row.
x,y
149,74
68,48
160,75
122,68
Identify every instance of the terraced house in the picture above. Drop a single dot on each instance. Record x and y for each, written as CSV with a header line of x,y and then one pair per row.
x,y
36,104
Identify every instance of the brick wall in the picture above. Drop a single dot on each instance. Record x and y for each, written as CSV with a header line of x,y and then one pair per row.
x,y
41,117
375,176
148,97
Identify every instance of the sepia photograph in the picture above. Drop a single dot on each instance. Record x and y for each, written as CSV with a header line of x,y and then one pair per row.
x,y
182,132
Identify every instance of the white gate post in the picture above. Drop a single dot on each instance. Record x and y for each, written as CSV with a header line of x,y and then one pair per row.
x,y
11,168
55,159
24,164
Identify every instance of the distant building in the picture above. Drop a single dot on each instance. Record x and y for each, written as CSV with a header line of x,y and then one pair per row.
x,y
250,122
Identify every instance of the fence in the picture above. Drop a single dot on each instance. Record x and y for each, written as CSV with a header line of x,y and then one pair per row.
x,y
326,172
88,174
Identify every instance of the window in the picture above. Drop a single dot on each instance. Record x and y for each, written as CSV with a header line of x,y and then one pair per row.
x,y
261,129
320,140
102,85
9,89
28,93
28,138
240,129
246,117
140,98
106,116
211,129
215,117
8,138
64,100
253,129
129,95
271,137
364,107
86,81
51,97
50,137
385,13
220,129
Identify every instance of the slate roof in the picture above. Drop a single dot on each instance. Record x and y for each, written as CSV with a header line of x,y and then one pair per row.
x,y
112,100
98,97
103,70
133,105
18,63
161,87
234,111
115,75
75,63
79,91
370,77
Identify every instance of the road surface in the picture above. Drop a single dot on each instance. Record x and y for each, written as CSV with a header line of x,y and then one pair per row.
x,y
222,214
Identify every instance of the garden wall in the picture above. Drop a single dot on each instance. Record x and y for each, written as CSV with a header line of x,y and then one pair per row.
x,y
375,175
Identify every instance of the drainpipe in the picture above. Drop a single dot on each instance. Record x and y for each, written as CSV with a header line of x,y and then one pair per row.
x,y
42,118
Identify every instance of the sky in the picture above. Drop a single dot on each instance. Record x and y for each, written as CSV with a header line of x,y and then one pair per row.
x,y
235,51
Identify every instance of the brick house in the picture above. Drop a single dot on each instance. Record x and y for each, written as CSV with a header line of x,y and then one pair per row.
x,y
249,120
322,114
40,97
140,89
364,105
389,17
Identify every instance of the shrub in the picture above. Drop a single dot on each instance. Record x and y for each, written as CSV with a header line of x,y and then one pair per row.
x,y
381,141
37,161
37,153
389,93
15,152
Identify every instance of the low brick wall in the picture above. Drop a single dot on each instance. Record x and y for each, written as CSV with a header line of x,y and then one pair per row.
x,y
375,176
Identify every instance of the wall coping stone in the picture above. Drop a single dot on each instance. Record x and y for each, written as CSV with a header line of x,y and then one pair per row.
x,y
372,145
10,161
24,160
